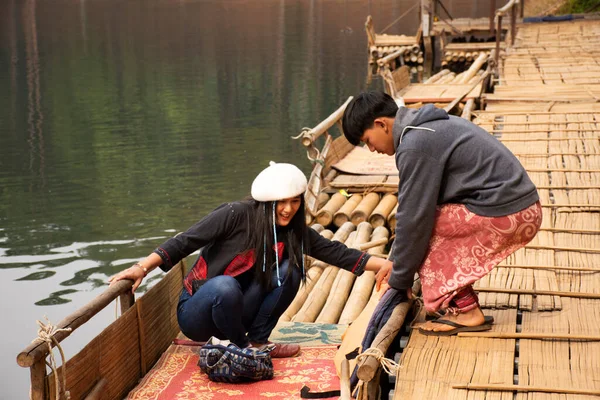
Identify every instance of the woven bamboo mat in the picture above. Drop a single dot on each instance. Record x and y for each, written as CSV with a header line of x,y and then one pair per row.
x,y
430,364
466,25
361,161
432,93
362,183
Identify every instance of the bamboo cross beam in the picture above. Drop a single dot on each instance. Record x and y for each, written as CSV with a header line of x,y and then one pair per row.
x,y
561,248
577,205
545,122
565,230
552,267
525,130
502,113
562,170
555,139
524,388
553,154
530,335
533,292
567,186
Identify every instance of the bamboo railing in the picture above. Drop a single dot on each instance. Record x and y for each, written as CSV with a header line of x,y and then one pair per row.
x,y
114,360
512,7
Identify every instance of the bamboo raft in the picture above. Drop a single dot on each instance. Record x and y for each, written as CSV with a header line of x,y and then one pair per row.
x,y
544,298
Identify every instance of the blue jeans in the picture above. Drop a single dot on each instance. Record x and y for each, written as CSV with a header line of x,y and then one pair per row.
x,y
220,308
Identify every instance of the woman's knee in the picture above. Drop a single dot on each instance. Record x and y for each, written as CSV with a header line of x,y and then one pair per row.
x,y
291,273
223,287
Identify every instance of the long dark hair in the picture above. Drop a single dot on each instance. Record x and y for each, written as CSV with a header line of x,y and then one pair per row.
x,y
294,236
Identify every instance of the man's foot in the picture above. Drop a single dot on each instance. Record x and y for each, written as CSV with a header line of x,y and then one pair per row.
x,y
281,350
459,322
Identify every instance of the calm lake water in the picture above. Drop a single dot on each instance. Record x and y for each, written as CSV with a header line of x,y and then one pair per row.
x,y
125,121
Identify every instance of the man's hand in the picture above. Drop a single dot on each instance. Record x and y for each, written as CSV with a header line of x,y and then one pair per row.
x,y
383,275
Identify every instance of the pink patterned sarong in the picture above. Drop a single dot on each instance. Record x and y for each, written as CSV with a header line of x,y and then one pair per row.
x,y
465,246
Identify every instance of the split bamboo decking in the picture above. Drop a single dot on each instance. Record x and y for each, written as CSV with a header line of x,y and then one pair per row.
x,y
545,298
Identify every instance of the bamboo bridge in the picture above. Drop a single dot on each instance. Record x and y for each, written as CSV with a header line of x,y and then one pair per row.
x,y
545,298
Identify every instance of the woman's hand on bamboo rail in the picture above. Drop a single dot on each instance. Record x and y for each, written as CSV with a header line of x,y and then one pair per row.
x,y
137,271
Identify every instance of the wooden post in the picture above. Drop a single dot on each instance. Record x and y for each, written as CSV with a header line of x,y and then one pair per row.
x,y
98,391
492,15
426,24
126,299
498,34
522,8
38,380
513,24
368,366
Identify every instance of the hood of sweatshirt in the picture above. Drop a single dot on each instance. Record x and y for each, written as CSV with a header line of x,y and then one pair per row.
x,y
410,118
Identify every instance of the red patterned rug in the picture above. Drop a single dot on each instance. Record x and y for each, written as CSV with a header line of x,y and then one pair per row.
x,y
176,376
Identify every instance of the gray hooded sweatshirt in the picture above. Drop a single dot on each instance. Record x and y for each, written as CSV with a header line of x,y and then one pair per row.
x,y
446,159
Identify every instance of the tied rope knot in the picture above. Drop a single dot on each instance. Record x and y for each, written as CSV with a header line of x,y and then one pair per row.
x,y
46,334
389,366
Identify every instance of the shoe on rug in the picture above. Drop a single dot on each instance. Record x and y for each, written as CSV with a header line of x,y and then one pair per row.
x,y
281,350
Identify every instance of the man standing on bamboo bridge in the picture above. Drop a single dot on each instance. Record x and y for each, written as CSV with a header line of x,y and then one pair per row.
x,y
465,204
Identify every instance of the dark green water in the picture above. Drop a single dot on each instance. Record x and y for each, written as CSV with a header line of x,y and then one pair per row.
x,y
125,121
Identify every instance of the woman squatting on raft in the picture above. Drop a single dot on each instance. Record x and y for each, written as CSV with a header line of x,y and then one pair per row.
x,y
465,203
251,262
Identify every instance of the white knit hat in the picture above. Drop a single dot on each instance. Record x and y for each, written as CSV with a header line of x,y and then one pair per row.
x,y
277,182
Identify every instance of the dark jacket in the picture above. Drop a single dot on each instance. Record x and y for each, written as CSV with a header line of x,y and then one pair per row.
x,y
445,159
222,235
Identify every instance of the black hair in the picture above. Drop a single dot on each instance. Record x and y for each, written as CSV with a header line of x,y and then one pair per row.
x,y
294,236
362,112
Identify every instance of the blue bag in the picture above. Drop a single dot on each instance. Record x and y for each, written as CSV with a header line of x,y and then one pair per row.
x,y
223,361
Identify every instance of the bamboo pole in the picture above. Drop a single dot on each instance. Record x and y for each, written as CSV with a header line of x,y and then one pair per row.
x,y
322,199
328,234
540,292
345,381
523,388
364,209
343,214
552,267
391,219
373,243
369,365
527,335
466,114
313,304
312,277
311,135
392,56
318,228
325,214
379,215
341,288
363,287
476,66
436,77
454,102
